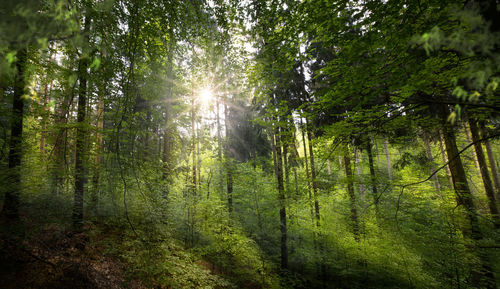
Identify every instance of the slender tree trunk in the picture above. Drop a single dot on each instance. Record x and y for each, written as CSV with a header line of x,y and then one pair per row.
x,y
445,159
306,162
198,152
373,177
284,142
428,149
81,132
493,165
11,201
352,196
388,158
358,170
376,151
328,165
98,151
46,99
313,176
482,275
278,170
193,144
43,133
229,169
167,132
488,186
473,153
219,144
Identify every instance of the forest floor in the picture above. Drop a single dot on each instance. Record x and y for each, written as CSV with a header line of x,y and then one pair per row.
x,y
58,257
41,255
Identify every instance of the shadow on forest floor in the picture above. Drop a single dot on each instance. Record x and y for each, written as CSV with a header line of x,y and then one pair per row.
x,y
55,257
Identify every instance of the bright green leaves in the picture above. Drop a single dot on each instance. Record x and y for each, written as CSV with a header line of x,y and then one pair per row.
x,y
11,56
431,40
96,62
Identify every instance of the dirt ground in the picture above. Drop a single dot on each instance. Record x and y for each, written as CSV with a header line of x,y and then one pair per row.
x,y
59,258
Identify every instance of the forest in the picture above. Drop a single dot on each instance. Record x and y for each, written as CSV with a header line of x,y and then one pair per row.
x,y
249,144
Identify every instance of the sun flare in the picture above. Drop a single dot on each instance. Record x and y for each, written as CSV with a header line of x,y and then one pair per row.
x,y
206,95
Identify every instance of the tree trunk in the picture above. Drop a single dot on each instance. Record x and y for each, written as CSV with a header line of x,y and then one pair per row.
x,y
481,274
445,159
358,170
98,151
43,133
473,153
428,149
284,142
306,162
328,165
388,158
488,186
352,196
278,171
313,176
193,144
373,177
81,132
376,151
493,165
167,132
229,171
46,92
11,201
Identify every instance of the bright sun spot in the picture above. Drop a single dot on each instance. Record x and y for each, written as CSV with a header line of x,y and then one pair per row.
x,y
206,95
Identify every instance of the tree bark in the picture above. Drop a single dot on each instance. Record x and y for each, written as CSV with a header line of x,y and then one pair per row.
x,y
98,151
81,132
313,176
445,159
488,186
11,201
193,144
352,196
473,153
306,162
481,274
388,158
167,132
373,177
278,171
358,171
229,171
493,165
428,149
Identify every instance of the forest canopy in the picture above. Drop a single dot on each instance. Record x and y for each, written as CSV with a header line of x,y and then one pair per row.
x,y
249,144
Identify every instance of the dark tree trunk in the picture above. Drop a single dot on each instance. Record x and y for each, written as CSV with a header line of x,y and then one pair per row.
x,y
488,186
388,158
11,202
481,274
278,170
493,165
473,153
352,195
373,177
81,132
358,170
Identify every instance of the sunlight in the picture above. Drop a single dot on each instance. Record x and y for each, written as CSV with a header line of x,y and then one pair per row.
x,y
206,96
